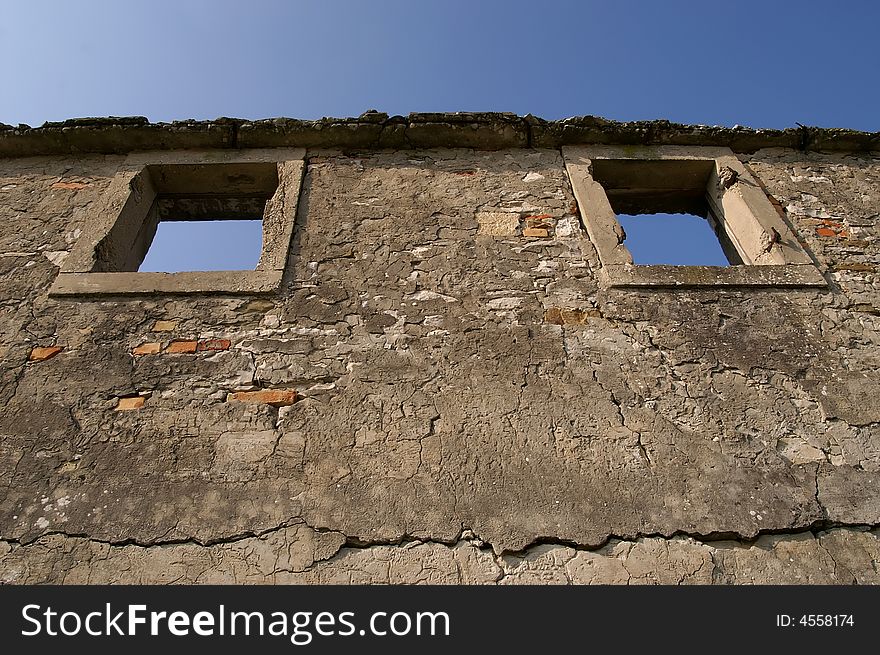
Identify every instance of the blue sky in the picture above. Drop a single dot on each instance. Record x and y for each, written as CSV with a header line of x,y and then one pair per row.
x,y
761,64
657,239
201,246
764,64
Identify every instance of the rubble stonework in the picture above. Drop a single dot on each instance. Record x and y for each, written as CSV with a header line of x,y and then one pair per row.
x,y
442,390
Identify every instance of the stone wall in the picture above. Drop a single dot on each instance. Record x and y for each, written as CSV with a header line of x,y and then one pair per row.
x,y
443,391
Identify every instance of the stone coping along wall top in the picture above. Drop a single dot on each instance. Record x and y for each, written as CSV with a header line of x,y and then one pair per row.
x,y
479,130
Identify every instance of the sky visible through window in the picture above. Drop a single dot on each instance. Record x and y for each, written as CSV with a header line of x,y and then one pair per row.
x,y
674,239
225,245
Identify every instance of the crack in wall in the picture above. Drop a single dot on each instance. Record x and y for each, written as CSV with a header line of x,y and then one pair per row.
x,y
690,559
465,535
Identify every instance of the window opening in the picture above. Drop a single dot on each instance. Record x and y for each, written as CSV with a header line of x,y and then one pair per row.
x,y
673,239
204,245
662,208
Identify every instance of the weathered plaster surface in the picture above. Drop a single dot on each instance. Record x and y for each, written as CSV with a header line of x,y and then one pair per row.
x,y
472,406
299,555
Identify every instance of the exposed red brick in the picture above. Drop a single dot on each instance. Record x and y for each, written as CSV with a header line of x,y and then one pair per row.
x,y
214,344
181,347
42,353
128,404
535,232
274,397
825,232
152,348
70,185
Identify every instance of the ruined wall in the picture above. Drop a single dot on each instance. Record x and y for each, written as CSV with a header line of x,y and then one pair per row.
x,y
471,404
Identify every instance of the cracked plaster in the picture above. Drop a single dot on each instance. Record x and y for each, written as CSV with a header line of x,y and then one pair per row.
x,y
662,436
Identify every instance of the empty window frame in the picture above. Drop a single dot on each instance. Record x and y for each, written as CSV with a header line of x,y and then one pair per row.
x,y
663,210
153,188
705,181
201,198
